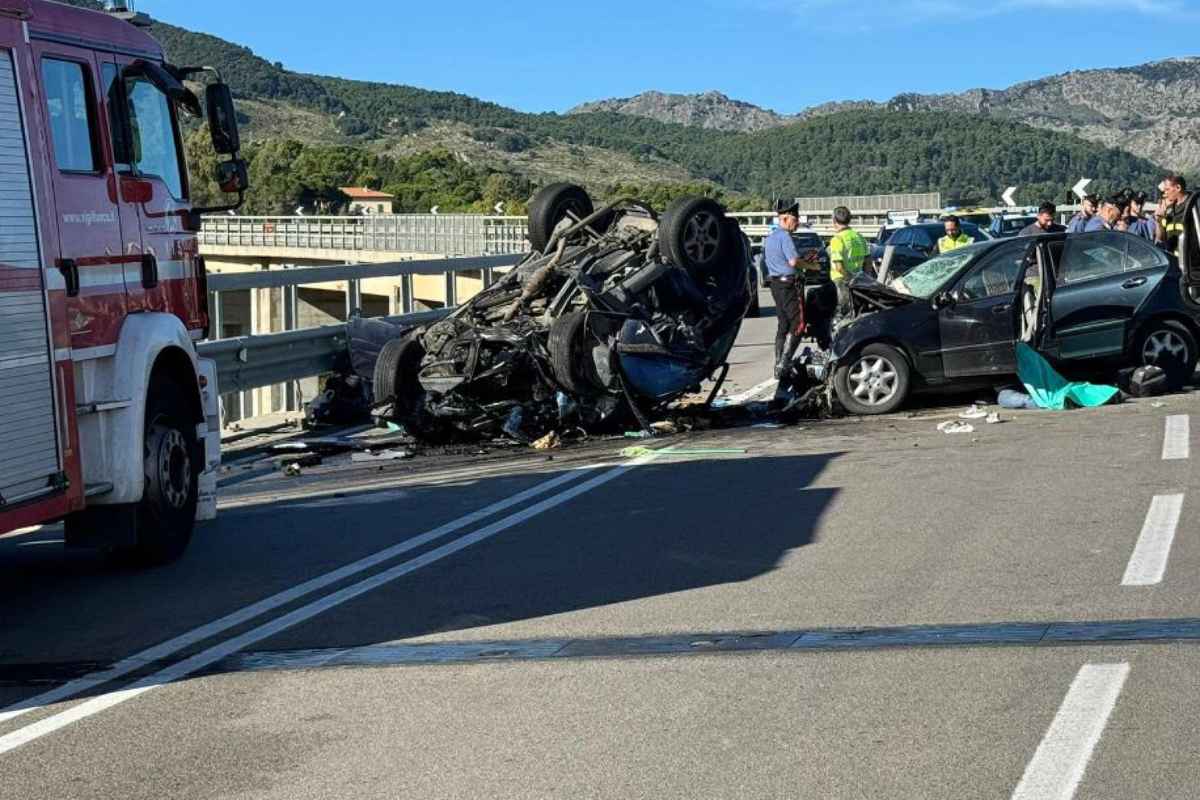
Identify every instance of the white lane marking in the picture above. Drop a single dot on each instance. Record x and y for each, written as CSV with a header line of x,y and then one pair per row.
x,y
35,544
1148,564
1177,438
1062,758
203,659
750,394
172,646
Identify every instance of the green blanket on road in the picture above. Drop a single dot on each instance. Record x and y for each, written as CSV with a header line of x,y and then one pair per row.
x,y
1051,390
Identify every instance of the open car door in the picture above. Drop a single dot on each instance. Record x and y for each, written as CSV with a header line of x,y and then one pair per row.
x,y
1189,248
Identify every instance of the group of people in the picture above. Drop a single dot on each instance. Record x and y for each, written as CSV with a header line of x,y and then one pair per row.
x,y
808,300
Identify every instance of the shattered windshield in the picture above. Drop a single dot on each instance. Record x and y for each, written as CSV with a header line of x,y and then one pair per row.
x,y
925,279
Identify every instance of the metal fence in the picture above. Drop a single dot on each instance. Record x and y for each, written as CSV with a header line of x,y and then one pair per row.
x,y
877,202
449,235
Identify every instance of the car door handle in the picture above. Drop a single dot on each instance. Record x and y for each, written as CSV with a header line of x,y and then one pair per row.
x,y
1134,283
1004,309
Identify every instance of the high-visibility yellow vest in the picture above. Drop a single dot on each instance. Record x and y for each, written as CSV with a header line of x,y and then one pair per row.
x,y
947,244
847,252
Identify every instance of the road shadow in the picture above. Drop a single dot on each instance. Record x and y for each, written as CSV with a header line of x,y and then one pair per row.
x,y
658,529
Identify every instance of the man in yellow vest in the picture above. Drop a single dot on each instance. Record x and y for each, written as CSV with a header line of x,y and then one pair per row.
x,y
847,253
954,238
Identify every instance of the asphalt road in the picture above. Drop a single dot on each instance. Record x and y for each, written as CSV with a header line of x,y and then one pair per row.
x,y
841,609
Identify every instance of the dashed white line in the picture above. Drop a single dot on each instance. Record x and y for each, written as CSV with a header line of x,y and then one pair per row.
x,y
1148,564
1177,438
1062,758
201,660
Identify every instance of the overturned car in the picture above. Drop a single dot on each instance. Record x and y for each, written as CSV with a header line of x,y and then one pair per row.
x,y
616,313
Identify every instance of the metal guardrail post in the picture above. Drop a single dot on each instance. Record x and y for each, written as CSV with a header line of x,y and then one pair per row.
x,y
214,315
489,277
291,321
451,290
353,298
406,294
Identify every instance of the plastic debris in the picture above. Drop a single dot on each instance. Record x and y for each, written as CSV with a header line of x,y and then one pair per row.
x,y
954,426
551,441
994,418
293,470
512,426
974,412
664,428
639,435
1015,400
1159,404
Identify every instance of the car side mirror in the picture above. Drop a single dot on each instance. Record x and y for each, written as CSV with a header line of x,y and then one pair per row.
x,y
222,119
945,300
233,176
166,82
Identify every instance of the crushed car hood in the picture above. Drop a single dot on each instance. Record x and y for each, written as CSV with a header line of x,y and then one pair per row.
x,y
868,294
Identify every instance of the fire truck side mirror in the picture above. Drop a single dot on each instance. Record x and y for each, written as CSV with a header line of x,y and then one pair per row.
x,y
233,177
222,119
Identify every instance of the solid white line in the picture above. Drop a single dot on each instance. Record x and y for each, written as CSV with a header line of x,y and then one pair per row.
x,y
1177,438
213,654
172,646
1061,759
1148,564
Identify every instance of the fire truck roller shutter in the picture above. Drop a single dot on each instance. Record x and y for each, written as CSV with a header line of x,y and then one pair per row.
x,y
29,454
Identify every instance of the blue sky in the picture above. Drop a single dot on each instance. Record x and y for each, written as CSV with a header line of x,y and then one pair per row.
x,y
780,54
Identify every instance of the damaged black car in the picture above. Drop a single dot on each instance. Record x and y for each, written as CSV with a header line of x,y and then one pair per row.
x,y
616,313
1090,303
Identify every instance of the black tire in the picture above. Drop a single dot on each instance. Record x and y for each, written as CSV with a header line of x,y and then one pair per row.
x,y
1168,344
396,372
571,357
891,393
166,515
692,234
550,206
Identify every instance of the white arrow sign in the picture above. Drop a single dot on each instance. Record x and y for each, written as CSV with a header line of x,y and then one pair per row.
x,y
299,211
499,208
434,210
1080,188
1008,198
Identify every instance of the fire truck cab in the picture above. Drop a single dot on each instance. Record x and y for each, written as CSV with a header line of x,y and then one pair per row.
x,y
110,419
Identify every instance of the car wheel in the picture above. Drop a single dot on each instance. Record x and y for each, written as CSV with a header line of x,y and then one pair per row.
x,y
692,233
570,357
396,372
876,381
1170,345
166,515
551,206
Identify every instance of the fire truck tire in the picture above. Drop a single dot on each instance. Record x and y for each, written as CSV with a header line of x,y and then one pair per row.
x,y
167,513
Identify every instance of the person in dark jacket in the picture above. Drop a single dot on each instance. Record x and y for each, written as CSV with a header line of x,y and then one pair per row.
x,y
1044,223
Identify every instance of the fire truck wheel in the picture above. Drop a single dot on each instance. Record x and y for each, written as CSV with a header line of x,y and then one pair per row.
x,y
167,513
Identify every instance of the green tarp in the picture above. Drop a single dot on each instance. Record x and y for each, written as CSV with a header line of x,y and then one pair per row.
x,y
1051,390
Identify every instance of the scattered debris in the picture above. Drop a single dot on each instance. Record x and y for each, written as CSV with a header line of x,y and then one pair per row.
x,y
994,418
1158,404
955,426
292,470
551,441
770,426
642,452
664,428
974,412
639,435
385,455
1015,400
345,398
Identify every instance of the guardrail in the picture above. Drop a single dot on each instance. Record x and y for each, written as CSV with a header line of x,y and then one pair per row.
x,y
253,362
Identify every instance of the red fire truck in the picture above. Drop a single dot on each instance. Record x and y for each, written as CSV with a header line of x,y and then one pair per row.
x,y
109,420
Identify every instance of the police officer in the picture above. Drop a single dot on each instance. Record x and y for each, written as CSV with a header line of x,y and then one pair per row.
x,y
954,238
1136,221
787,285
1107,218
1171,209
1081,219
